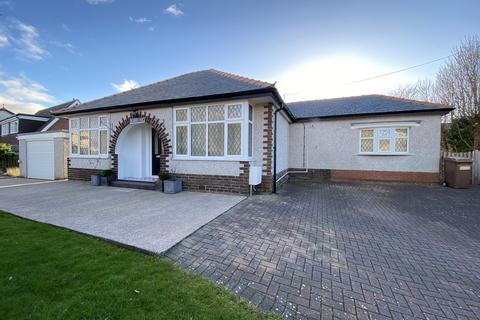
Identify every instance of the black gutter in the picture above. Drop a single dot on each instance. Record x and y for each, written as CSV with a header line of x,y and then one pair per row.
x,y
167,103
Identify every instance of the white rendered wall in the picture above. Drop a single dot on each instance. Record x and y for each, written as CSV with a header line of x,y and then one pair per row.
x,y
333,144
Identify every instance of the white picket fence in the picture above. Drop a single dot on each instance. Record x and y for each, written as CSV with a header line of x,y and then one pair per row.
x,y
474,156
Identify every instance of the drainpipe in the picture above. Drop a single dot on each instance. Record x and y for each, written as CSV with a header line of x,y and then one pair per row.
x,y
274,187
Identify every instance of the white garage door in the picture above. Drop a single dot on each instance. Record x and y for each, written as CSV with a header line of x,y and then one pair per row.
x,y
40,160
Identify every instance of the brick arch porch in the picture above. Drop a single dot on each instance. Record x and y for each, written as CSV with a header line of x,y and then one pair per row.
x,y
156,124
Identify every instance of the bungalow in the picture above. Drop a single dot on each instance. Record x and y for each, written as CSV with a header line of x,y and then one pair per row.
x,y
209,127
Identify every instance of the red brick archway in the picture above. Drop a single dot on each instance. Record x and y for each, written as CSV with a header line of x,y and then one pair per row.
x,y
155,123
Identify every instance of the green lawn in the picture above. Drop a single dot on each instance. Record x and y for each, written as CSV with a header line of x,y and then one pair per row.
x,y
50,273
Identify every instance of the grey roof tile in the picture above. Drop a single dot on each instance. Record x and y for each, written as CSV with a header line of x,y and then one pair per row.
x,y
191,85
354,106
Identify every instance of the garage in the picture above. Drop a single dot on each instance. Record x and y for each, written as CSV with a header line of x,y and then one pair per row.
x,y
42,155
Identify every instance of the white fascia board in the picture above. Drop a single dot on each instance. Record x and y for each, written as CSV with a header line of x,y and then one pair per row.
x,y
43,135
55,120
36,118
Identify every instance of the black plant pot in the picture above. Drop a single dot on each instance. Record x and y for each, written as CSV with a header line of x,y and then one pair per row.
x,y
106,181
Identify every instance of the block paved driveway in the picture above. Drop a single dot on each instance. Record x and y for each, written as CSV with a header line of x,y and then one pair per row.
x,y
347,251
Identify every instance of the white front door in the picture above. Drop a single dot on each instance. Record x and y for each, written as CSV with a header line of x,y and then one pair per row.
x,y
40,160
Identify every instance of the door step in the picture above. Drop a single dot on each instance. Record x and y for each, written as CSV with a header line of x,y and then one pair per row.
x,y
134,184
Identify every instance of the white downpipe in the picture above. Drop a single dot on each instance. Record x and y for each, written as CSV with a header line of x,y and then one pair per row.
x,y
305,157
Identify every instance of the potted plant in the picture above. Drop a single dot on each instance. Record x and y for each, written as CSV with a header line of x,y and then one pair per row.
x,y
95,178
107,177
172,185
161,178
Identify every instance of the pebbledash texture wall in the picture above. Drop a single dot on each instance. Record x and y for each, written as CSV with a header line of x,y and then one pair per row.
x,y
333,146
197,175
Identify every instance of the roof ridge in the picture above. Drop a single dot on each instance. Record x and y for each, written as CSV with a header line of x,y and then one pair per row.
x,y
255,82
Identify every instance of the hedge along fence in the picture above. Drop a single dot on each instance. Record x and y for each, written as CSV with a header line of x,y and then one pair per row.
x,y
8,160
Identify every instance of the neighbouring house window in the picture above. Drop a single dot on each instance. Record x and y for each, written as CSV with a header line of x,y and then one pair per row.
x,y
212,131
89,136
5,129
14,127
384,140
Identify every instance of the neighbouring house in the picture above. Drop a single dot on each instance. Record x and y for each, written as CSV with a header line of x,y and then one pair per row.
x,y
42,121
5,113
209,127
42,142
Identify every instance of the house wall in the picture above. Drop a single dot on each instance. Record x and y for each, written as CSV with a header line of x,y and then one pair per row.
x,y
283,132
204,175
334,145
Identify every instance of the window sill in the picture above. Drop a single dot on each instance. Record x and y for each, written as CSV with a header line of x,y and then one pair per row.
x,y
76,156
176,158
384,154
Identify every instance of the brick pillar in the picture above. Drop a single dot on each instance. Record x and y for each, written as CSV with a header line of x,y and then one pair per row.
x,y
267,170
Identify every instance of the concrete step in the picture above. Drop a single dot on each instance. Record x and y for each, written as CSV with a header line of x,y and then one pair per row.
x,y
134,184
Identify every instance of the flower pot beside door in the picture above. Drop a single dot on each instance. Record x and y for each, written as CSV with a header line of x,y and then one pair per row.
x,y
172,186
95,180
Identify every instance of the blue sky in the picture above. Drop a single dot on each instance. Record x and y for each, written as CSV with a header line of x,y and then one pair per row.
x,y
52,51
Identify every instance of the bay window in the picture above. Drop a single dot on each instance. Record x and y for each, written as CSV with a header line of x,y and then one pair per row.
x,y
89,136
384,140
217,131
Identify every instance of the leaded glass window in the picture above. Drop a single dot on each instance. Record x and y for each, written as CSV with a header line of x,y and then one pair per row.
x,y
384,140
181,135
213,131
198,140
216,138
89,136
74,142
234,140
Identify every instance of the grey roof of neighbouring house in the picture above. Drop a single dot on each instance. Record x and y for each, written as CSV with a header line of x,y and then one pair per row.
x,y
360,105
199,84
48,111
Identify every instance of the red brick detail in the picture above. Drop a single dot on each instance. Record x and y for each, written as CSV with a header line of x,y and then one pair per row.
x,y
217,183
267,178
80,173
386,176
156,124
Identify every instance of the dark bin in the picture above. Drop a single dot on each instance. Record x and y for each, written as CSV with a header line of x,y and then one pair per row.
x,y
458,172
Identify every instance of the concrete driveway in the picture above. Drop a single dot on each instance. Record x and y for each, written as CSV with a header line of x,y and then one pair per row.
x,y
148,220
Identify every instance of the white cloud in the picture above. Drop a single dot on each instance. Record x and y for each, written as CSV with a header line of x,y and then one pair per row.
x,y
20,94
139,20
4,42
126,85
67,46
95,2
173,10
27,41
152,28
66,27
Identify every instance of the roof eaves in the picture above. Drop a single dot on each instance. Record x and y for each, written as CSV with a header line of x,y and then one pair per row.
x,y
353,115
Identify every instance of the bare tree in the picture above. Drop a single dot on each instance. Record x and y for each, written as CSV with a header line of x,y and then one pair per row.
x,y
458,83
423,90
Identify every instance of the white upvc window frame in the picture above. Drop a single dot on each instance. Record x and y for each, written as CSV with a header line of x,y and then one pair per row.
x,y
99,129
5,129
11,124
243,121
376,141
